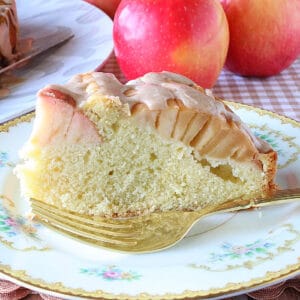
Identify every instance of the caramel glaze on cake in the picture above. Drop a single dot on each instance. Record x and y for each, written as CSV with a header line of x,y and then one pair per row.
x,y
154,144
8,32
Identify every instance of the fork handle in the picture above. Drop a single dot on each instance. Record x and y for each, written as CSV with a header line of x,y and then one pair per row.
x,y
279,197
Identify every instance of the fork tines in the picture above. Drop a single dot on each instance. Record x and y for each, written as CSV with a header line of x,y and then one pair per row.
x,y
95,230
145,233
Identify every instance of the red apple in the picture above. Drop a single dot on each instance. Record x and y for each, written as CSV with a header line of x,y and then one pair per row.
x,y
108,6
264,35
185,37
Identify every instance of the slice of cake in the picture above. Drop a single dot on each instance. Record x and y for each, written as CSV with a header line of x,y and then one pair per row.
x,y
8,32
157,143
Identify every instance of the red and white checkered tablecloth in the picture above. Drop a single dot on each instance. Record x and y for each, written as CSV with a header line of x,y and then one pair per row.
x,y
280,94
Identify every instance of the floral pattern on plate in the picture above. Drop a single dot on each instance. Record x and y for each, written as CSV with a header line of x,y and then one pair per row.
x,y
12,227
288,151
232,255
16,231
235,251
111,273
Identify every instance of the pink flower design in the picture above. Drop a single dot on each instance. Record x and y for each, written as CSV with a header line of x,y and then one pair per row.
x,y
240,249
111,274
11,222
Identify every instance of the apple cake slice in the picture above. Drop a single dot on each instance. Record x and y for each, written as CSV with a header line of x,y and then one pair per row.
x,y
157,143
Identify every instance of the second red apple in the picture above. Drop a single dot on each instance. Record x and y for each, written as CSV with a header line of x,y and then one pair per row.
x,y
264,35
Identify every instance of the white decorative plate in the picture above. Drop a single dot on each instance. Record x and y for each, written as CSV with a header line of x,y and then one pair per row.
x,y
89,48
222,256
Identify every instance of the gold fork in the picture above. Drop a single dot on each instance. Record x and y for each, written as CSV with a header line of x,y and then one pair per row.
x,y
147,233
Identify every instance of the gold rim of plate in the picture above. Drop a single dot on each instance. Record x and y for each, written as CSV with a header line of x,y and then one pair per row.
x,y
21,276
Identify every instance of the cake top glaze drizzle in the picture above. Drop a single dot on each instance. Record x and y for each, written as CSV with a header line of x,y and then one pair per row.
x,y
154,90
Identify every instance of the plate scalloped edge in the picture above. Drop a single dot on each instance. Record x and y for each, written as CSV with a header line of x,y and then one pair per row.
x,y
272,278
